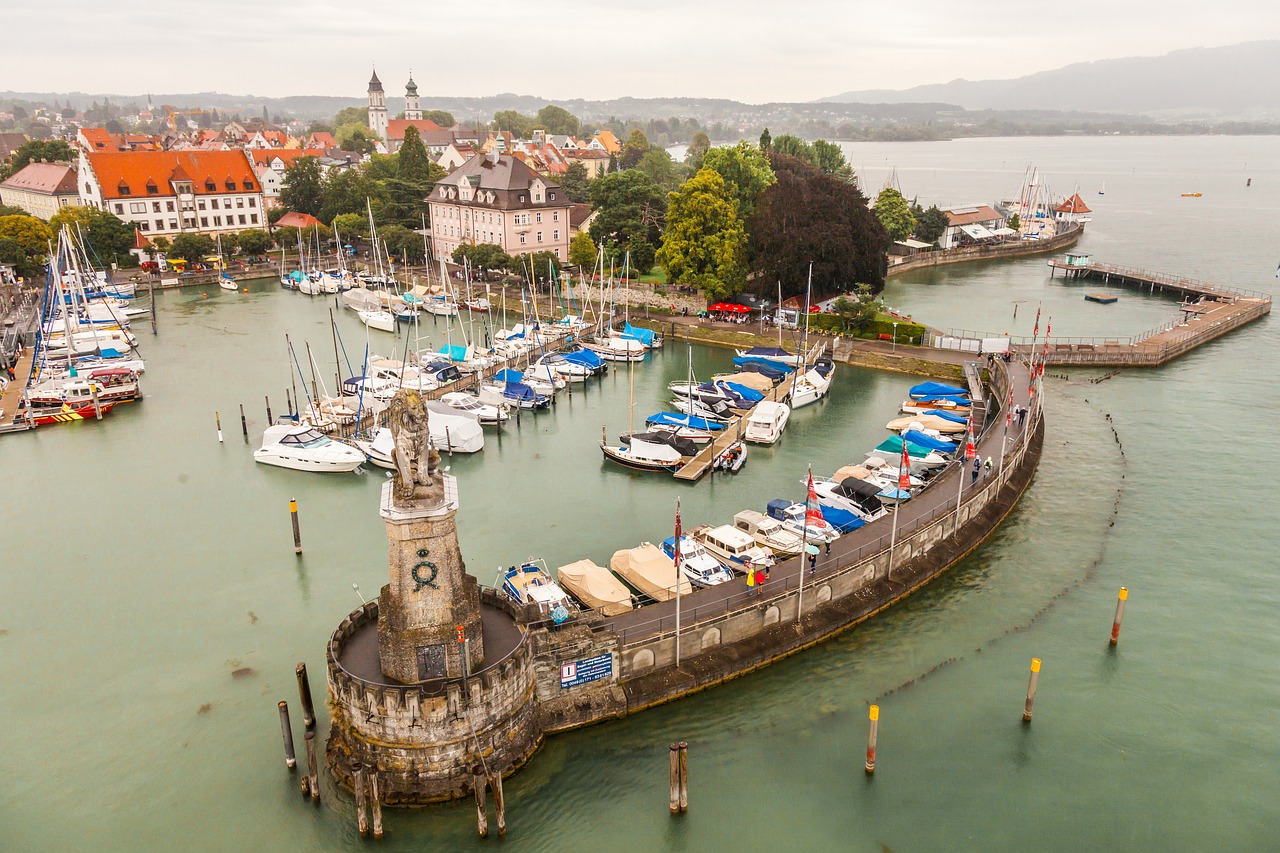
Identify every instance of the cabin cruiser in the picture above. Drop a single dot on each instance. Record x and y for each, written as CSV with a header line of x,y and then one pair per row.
x,y
853,495
813,384
924,423
596,587
702,569
511,392
530,583
766,422
772,354
105,385
571,371
486,413
793,518
768,532
304,448
954,405
650,571
454,430
618,348
736,548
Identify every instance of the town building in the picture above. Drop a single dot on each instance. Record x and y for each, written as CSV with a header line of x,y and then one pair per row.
x,y
9,143
412,110
973,224
270,165
499,199
377,107
41,189
163,193
1072,210
596,160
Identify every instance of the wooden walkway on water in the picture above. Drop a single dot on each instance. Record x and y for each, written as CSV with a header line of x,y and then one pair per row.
x,y
11,401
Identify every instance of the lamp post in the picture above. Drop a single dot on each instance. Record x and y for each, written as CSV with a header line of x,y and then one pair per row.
x,y
895,337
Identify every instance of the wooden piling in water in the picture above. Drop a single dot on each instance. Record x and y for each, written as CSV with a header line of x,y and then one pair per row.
x,y
482,816
217,419
362,816
1115,625
244,424
297,532
1031,690
286,732
495,784
269,420
304,691
873,732
675,778
151,291
313,773
684,776
375,805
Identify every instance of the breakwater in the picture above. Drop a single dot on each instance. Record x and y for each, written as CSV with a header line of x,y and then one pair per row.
x,y
990,251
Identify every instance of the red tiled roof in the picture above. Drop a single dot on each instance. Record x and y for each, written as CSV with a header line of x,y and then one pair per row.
x,y
1075,204
297,220
263,156
127,174
98,139
45,178
323,139
979,214
395,127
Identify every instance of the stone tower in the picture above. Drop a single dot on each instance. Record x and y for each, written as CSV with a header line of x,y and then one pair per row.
x,y
377,107
430,596
412,111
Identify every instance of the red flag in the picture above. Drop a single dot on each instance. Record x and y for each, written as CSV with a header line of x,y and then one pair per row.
x,y
812,512
970,450
676,557
1036,331
904,471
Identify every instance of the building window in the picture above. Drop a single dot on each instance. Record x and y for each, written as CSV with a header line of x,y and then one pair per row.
x,y
200,204
189,223
204,222
210,186
155,207
138,207
173,225
240,202
168,205
555,235
217,221
242,219
253,218
522,239
152,189
253,202
551,196
539,218
537,197
555,215
144,226
159,224
539,236
248,185
522,196
214,204
119,208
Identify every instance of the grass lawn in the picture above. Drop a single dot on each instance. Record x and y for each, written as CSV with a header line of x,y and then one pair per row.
x,y
657,275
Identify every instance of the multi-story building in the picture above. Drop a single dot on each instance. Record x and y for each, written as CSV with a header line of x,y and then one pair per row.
x,y
41,189
164,193
270,165
498,199
377,108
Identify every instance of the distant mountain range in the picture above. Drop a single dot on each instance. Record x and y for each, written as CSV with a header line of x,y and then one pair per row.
x,y
1241,81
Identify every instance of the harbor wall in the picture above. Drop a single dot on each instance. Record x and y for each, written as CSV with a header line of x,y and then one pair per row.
x,y
989,252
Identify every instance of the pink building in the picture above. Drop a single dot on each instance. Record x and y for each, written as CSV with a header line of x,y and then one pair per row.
x,y
498,199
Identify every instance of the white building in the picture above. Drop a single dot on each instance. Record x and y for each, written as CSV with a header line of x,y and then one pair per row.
x,y
164,193
377,108
41,189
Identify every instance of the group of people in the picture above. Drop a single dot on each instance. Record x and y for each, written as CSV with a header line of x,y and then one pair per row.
x,y
756,576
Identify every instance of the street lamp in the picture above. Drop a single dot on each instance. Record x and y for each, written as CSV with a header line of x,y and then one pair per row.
x,y
895,337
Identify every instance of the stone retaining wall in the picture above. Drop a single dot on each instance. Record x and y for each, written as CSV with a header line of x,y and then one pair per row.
x,y
993,251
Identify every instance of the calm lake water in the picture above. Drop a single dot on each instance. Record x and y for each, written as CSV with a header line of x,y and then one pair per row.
x,y
145,562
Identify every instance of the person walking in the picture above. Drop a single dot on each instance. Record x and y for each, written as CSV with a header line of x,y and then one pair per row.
x,y
813,559
986,468
977,469
751,582
828,553
761,577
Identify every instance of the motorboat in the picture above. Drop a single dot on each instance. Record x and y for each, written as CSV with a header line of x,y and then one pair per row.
x,y
933,390
736,548
480,305
362,299
766,422
930,439
859,497
486,413
954,405
721,413
878,472
731,459
775,355
697,564
335,410
70,414
650,451
892,446
771,370
812,385
543,378
563,368
755,381
378,448
810,526
304,448
679,419
769,532
650,572
453,430
596,587
933,422
530,583
105,385
586,358
516,394
612,348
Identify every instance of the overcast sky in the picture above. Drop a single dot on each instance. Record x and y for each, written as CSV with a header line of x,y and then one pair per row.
x,y
747,50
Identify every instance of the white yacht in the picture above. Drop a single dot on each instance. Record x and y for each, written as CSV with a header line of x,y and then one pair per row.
x,y
766,422
769,532
486,413
304,448
698,565
736,548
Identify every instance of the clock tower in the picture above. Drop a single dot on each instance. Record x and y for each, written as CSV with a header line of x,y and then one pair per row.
x,y
377,107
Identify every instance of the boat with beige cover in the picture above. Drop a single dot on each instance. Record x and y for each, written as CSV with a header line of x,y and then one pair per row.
x,y
596,587
650,571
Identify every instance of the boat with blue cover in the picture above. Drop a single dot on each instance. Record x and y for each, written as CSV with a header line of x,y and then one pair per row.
x,y
936,389
754,364
922,439
775,355
678,419
893,445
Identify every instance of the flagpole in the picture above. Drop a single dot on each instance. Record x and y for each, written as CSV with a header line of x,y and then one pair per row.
x,y
804,545
677,565
968,454
904,481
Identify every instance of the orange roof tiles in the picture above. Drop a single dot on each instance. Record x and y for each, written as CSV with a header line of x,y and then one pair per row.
x,y
1075,204
263,156
396,126
297,220
127,174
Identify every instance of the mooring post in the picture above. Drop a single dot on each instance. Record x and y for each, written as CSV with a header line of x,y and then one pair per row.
x,y
1115,626
304,692
362,817
375,804
244,424
448,442
269,420
286,732
684,776
151,291
217,419
482,817
297,532
1031,690
495,784
873,729
675,778
313,773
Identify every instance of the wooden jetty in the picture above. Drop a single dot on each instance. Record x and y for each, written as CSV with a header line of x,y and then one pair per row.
x,y
11,401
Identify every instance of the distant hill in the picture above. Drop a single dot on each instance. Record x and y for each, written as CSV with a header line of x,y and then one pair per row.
x,y
1240,81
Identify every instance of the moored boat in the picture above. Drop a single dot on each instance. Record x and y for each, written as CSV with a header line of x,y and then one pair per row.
x,y
304,448
596,587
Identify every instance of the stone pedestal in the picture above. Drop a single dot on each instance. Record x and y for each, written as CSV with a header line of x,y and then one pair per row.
x,y
429,596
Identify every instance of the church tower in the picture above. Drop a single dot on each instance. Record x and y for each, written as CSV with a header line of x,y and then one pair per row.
x,y
412,111
377,107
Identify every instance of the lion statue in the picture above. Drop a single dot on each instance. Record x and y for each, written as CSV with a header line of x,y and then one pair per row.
x,y
415,459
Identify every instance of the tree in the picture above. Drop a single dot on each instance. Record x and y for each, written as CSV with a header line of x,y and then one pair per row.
x,y
19,113
705,243
444,118
698,149
513,122
895,214
302,190
349,225
746,174
582,250
828,157
352,115
35,150
346,191
106,234
807,216
488,256
401,242
414,162
858,314
254,242
931,224
636,146
26,240
160,244
191,247
576,182
629,212
286,237
558,120
765,140
657,164
792,146
1015,221
355,136
540,265
613,163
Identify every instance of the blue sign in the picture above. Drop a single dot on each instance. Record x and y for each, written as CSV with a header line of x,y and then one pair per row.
x,y
591,669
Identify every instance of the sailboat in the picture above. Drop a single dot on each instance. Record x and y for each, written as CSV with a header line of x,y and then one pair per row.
x,y
1103,189
810,384
647,451
225,281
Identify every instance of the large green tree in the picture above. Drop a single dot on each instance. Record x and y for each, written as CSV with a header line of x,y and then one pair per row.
x,y
705,242
346,191
444,118
746,173
302,190
828,157
350,225
895,214
487,256
558,120
414,161
355,136
698,149
582,250
931,224
513,122
351,115
36,150
107,235
254,242
193,248
636,146
810,217
629,213
26,243
576,182
657,164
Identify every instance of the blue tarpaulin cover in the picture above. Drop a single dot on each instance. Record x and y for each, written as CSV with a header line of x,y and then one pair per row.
x,y
841,519
776,365
644,336
680,419
893,445
948,416
936,389
508,375
749,394
917,437
455,352
585,357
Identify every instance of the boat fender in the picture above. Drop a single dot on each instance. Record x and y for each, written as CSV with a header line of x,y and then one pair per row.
x,y
559,613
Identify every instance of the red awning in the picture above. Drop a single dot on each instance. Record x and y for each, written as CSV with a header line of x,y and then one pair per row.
x,y
729,308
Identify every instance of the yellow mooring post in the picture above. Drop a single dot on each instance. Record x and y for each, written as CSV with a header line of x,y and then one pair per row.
x,y
1031,690
874,715
1115,626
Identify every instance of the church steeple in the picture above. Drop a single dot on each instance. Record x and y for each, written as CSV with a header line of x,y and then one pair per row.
x,y
377,107
412,110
